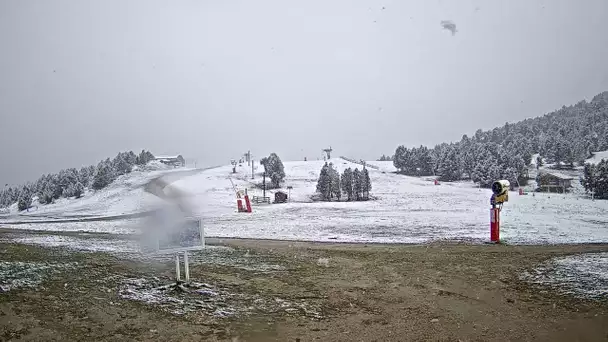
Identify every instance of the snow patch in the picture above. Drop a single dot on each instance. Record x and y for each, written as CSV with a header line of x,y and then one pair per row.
x,y
597,157
583,275
80,244
130,249
18,274
130,226
213,301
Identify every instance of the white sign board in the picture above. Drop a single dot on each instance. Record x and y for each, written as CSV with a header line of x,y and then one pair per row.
x,y
181,235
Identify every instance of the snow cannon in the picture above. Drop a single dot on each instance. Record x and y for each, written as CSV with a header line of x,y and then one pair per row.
x,y
500,190
500,195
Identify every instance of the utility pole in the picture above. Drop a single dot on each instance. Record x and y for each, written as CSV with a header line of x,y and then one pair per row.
x,y
264,184
251,166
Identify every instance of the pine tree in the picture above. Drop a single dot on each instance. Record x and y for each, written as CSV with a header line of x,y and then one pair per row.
x,y
425,161
324,183
366,183
104,175
601,180
263,162
121,165
25,198
357,184
347,183
274,169
449,170
131,158
399,158
588,180
46,195
68,192
144,157
84,177
12,195
54,186
3,199
92,170
486,172
596,179
78,190
510,174
336,190
410,162
66,179
363,184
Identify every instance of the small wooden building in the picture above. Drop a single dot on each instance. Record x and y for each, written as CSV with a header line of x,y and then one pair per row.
x,y
549,181
280,197
175,161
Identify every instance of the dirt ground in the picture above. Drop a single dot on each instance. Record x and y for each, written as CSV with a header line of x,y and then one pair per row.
x,y
308,292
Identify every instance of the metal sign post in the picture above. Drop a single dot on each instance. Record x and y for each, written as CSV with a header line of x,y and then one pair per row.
x,y
178,278
182,236
289,190
186,267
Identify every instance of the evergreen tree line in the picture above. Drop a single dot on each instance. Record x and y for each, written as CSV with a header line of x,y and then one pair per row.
x,y
72,182
595,179
356,184
564,137
273,166
385,158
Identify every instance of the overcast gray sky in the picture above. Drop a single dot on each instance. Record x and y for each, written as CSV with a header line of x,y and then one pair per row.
x,y
81,80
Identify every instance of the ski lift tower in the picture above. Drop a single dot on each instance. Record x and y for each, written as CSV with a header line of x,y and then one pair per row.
x,y
328,152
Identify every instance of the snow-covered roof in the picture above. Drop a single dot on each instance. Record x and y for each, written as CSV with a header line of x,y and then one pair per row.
x,y
557,175
597,157
166,157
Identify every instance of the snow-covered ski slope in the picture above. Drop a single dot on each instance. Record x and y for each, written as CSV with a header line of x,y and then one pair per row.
x,y
408,210
597,157
126,195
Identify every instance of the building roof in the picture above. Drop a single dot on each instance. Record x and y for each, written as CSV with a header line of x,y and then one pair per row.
x,y
557,175
167,157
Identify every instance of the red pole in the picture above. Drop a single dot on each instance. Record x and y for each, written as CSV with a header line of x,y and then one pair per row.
x,y
239,205
247,203
495,225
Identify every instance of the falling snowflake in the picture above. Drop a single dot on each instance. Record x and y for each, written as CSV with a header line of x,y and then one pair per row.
x,y
449,25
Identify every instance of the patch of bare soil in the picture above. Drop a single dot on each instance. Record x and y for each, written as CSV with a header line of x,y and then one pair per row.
x,y
300,292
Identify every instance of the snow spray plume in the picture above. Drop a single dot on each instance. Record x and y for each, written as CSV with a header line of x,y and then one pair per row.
x,y
166,219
